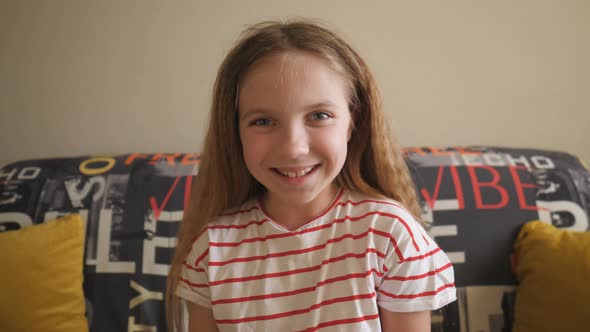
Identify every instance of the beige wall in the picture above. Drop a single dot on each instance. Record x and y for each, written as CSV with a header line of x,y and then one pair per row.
x,y
96,77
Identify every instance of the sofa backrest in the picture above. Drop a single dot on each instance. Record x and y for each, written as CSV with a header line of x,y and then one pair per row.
x,y
476,199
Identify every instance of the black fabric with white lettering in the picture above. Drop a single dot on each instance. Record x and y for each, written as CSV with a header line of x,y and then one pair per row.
x,y
475,197
132,205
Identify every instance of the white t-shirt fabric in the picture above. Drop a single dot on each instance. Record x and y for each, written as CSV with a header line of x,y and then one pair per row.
x,y
331,274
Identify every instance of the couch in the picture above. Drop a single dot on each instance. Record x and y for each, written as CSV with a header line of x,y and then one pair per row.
x,y
474,198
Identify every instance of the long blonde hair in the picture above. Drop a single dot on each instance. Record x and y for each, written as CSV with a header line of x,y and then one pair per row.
x,y
374,163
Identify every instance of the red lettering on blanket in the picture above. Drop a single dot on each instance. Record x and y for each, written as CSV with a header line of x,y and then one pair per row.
x,y
187,188
154,203
407,151
452,151
520,188
480,181
493,184
438,152
133,157
430,200
190,159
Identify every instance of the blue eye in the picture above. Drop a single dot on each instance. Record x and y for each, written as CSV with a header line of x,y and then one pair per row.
x,y
261,122
320,116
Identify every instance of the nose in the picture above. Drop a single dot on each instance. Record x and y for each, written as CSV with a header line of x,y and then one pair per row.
x,y
293,141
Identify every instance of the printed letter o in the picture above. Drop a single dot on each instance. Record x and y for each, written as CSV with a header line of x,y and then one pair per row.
x,y
84,169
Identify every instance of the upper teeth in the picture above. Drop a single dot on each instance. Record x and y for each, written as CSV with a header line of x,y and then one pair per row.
x,y
298,173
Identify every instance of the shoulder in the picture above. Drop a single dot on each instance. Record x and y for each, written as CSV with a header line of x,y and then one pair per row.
x,y
233,225
199,248
237,215
233,218
385,207
390,219
223,228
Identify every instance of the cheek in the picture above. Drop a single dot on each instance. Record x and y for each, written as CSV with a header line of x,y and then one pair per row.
x,y
253,150
246,148
335,145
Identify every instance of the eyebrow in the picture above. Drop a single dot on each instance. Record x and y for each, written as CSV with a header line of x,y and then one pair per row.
x,y
323,104
256,110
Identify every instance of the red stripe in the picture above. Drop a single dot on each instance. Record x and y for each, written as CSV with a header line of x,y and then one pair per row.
x,y
413,296
393,204
187,190
297,291
310,249
417,258
328,209
193,284
197,269
425,240
342,322
198,236
372,201
240,211
309,230
409,231
253,222
201,257
296,312
398,252
420,276
290,272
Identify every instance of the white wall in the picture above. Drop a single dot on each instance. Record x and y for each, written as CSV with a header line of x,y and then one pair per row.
x,y
99,77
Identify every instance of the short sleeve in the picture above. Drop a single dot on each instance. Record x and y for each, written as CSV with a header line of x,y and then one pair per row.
x,y
417,274
193,285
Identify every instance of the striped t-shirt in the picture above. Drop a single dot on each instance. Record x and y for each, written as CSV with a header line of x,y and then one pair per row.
x,y
331,274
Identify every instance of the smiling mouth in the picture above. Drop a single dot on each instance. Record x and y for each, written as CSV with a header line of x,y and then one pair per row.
x,y
295,174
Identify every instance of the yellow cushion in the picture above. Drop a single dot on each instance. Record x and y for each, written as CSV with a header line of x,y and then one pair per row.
x,y
41,277
553,271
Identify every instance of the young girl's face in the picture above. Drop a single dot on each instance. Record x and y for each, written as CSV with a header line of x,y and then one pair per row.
x,y
294,125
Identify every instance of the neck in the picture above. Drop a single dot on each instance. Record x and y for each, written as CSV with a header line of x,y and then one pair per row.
x,y
293,215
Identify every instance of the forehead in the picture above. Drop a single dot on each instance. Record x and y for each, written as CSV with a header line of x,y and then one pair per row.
x,y
291,79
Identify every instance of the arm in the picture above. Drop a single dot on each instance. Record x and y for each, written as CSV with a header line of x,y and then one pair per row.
x,y
404,321
200,319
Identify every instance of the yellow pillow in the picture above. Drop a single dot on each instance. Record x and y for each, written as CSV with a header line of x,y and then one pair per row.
x,y
41,277
553,271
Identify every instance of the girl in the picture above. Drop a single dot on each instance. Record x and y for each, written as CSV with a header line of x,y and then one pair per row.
x,y
303,215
